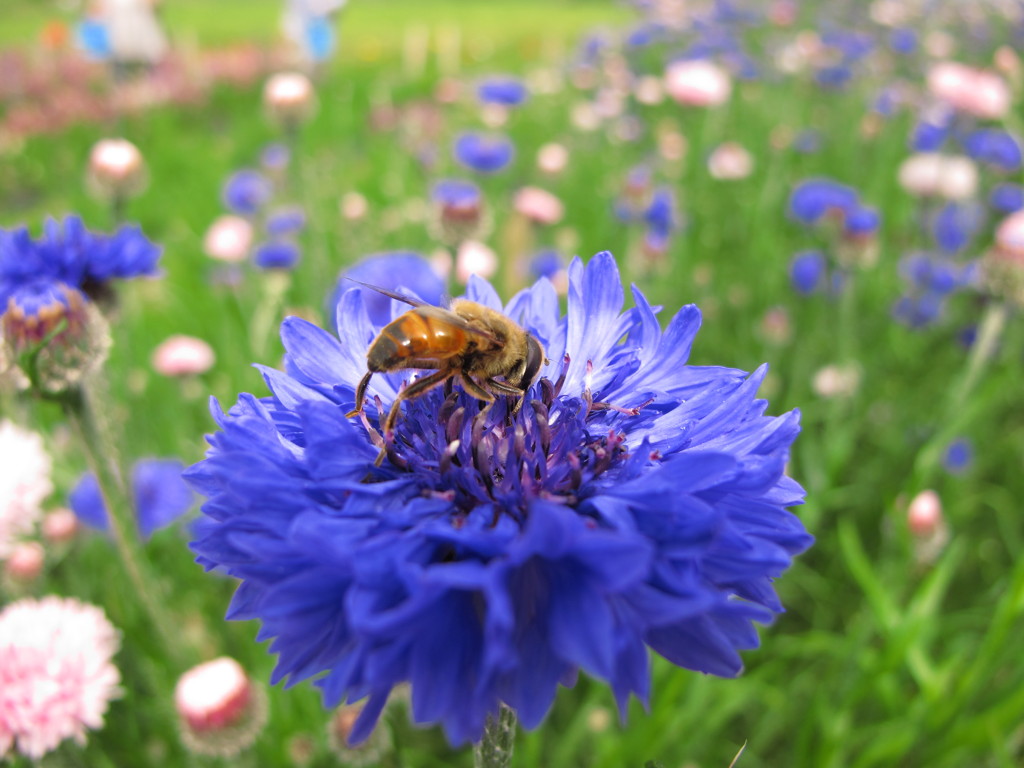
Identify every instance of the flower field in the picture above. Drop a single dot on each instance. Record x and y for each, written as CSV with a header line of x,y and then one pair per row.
x,y
569,383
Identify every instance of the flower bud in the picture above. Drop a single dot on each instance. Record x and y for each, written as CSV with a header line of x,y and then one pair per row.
x,y
538,205
552,158
289,98
928,527
1003,265
836,381
183,356
730,161
25,562
459,212
369,753
698,83
71,335
228,239
353,206
649,90
927,174
60,526
979,92
116,169
474,258
220,711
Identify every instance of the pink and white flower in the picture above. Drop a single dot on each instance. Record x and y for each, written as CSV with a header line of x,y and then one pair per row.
x,y
24,483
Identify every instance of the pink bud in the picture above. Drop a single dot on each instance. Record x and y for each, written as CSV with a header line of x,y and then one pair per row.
x,y
1010,236
697,83
60,525
539,205
474,258
288,96
25,562
116,168
353,206
776,326
228,239
649,90
926,174
552,158
836,381
979,92
730,161
219,709
183,356
924,515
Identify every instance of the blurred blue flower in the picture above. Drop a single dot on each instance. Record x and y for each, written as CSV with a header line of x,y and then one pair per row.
x,y
835,76
276,254
483,153
494,556
246,192
506,91
286,221
402,271
813,199
547,264
861,221
903,40
456,192
1007,197
807,272
928,137
159,495
995,147
807,141
956,224
660,216
94,39
959,456
919,310
320,38
70,254
275,157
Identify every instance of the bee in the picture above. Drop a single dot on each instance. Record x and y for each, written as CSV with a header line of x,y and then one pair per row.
x,y
484,350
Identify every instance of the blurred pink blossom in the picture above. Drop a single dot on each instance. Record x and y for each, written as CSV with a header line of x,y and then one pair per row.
x,y
730,161
539,205
183,356
228,239
475,258
698,83
56,674
220,710
552,158
25,562
927,174
979,92
24,483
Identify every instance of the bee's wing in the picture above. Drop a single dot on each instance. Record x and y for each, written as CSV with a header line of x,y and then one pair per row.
x,y
449,317
397,296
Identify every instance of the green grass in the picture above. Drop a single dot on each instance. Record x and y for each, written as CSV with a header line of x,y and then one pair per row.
x,y
878,661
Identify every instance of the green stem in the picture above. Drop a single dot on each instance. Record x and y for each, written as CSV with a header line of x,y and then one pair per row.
x,y
94,440
955,413
495,749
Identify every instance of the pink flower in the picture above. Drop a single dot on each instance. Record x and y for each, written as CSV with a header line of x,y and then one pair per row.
x,y
56,674
980,92
698,83
183,356
353,206
220,710
474,258
228,239
26,561
552,158
115,168
24,483
730,161
288,97
1010,236
539,205
953,177
60,526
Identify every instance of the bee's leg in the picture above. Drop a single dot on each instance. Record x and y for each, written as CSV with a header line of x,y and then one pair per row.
x,y
415,389
360,395
507,389
476,390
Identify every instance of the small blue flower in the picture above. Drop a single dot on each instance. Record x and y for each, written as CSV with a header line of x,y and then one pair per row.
x,y
546,264
159,494
69,254
286,221
401,271
861,221
813,199
456,192
275,157
903,41
997,148
920,310
660,216
928,136
959,456
276,254
807,272
1007,197
483,153
506,91
94,39
246,192
836,76
634,504
956,224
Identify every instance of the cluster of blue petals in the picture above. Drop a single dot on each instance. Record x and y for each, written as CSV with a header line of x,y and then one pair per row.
x,y
35,273
506,91
483,153
634,503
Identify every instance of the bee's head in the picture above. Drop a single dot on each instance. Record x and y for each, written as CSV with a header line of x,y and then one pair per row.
x,y
534,360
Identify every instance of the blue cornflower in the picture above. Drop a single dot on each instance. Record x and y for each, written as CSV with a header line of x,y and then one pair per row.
x,y
995,147
398,270
246,192
919,310
547,263
275,157
956,224
959,456
159,495
71,255
813,199
276,254
506,91
861,221
634,503
286,221
929,136
807,272
457,192
1007,197
903,40
483,153
835,76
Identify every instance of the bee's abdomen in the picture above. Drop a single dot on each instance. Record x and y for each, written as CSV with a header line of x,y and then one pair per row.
x,y
414,335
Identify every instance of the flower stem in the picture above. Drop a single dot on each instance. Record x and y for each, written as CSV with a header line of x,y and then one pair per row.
x,y
956,411
95,442
495,749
